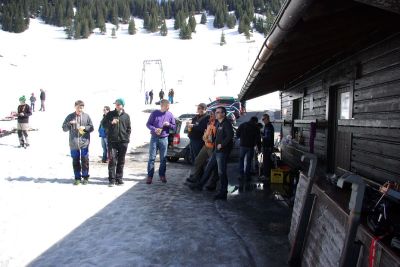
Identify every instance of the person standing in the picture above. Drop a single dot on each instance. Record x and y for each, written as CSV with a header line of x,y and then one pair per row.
x,y
171,94
103,136
159,124
267,145
79,126
249,135
42,99
196,130
151,94
33,100
205,152
161,95
118,129
23,113
146,97
223,147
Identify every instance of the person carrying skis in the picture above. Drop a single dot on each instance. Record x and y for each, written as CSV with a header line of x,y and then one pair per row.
x,y
79,126
118,129
23,113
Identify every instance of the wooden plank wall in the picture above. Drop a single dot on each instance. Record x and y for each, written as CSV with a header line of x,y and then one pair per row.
x,y
377,96
375,151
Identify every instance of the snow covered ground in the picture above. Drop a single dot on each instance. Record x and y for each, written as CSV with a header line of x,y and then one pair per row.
x,y
38,204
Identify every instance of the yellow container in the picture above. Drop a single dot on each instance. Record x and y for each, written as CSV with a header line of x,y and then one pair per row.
x,y
278,176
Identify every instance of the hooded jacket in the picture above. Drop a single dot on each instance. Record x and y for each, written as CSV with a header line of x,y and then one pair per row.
x,y
119,132
76,140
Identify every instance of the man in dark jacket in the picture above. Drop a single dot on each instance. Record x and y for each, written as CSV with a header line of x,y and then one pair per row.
x,y
23,113
267,144
161,94
196,130
118,130
42,100
223,146
79,126
249,135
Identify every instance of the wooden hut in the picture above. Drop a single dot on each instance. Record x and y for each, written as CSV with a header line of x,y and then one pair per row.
x,y
336,64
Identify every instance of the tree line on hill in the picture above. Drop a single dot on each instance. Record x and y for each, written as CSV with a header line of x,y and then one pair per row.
x,y
81,17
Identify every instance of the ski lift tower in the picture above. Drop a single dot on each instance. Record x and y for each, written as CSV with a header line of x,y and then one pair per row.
x,y
146,63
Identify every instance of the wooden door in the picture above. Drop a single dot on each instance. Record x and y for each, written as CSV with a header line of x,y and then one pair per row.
x,y
343,139
339,147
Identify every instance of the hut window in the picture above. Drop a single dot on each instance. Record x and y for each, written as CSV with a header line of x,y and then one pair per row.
x,y
345,106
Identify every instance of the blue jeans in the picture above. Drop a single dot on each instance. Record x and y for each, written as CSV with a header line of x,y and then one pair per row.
x,y
246,153
80,162
104,145
161,144
195,147
221,158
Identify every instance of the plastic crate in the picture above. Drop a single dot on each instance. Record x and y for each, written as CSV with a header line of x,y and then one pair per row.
x,y
278,176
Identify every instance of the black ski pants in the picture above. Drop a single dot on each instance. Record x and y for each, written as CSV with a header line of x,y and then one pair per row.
x,y
116,160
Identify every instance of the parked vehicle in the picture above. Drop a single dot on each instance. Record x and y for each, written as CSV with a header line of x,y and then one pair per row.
x,y
232,105
178,142
187,116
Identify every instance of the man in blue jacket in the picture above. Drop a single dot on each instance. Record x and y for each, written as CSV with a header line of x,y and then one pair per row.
x,y
159,124
103,136
79,126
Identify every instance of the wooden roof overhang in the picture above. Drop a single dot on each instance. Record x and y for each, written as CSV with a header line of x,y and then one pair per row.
x,y
326,31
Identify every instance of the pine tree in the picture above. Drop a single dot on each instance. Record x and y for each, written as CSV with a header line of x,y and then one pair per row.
x,y
85,32
77,29
146,21
231,21
178,22
222,41
113,33
247,33
186,32
132,27
101,24
69,29
203,19
164,30
192,23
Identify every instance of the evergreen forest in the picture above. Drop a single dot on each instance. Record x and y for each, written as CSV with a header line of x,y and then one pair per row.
x,y
81,17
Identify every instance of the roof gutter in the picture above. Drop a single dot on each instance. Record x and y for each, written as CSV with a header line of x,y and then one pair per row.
x,y
288,17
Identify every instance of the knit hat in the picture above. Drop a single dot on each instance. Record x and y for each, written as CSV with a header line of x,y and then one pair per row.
x,y
22,99
120,101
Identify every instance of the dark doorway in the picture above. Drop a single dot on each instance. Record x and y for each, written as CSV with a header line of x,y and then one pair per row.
x,y
339,142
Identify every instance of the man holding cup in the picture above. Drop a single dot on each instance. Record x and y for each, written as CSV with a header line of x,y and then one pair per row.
x,y
117,124
159,124
79,126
